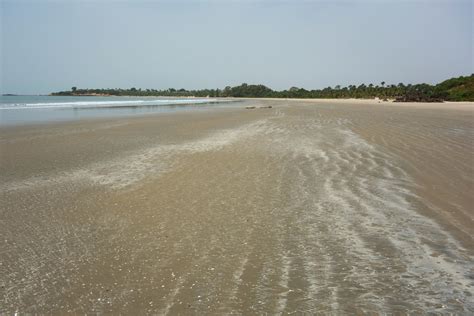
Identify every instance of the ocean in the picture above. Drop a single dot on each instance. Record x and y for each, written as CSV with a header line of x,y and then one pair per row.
x,y
19,110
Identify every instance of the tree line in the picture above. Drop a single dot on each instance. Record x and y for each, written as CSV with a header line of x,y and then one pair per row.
x,y
454,89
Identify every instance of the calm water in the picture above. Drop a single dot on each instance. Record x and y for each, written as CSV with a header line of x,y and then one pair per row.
x,y
17,110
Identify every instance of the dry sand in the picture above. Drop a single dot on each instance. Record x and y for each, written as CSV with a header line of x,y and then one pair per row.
x,y
305,207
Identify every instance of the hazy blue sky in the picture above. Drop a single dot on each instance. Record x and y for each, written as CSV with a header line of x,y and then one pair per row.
x,y
53,45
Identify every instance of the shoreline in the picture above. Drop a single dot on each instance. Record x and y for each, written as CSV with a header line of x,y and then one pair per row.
x,y
465,106
47,113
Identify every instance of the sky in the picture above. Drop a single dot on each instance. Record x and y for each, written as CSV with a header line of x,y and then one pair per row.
x,y
53,45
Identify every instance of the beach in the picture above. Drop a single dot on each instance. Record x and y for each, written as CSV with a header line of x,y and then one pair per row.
x,y
310,206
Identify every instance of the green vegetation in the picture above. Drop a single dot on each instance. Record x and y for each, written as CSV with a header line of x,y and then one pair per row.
x,y
455,89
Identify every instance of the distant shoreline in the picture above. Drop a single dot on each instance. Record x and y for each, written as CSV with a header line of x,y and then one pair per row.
x,y
453,89
355,101
333,100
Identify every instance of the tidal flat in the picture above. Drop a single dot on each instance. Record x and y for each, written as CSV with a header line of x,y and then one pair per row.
x,y
304,207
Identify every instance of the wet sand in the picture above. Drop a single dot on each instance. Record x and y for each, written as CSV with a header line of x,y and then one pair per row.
x,y
313,207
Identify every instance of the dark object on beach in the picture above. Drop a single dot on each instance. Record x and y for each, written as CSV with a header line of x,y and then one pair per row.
x,y
250,107
266,107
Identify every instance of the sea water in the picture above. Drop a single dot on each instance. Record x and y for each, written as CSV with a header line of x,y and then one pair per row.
x,y
17,110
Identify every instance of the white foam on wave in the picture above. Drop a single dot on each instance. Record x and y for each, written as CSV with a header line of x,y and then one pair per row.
x,y
101,104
